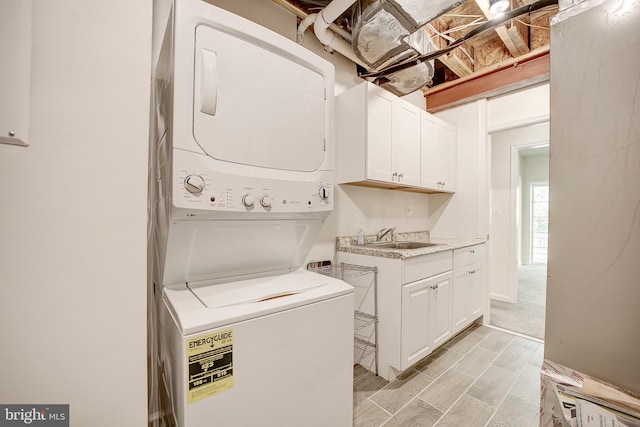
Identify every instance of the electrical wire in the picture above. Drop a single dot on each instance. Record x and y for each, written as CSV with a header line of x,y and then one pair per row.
x,y
489,25
532,26
451,39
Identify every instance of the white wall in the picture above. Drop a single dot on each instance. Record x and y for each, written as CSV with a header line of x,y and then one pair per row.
x,y
514,109
73,217
458,215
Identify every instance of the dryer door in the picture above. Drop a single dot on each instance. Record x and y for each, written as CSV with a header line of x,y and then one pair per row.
x,y
257,104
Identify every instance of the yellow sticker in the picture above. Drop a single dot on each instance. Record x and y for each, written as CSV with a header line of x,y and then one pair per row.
x,y
210,364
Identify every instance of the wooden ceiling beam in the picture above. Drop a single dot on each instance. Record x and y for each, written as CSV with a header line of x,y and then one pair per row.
x,y
519,34
502,31
454,60
497,79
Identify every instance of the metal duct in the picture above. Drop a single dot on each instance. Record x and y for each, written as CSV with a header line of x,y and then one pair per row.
x,y
389,31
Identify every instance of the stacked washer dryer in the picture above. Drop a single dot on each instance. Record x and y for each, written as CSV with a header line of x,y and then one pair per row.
x,y
242,183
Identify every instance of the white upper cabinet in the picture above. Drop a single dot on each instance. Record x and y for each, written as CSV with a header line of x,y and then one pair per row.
x,y
406,123
438,154
378,138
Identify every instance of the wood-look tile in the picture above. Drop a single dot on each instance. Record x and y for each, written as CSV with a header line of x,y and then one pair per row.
x,y
367,414
438,362
515,412
464,341
416,414
399,392
467,412
526,343
492,386
538,357
496,341
476,361
513,358
479,329
527,385
444,391
359,370
365,385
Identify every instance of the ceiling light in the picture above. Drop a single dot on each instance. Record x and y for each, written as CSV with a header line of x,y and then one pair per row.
x,y
498,6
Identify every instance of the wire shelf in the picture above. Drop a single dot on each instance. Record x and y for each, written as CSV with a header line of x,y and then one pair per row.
x,y
345,271
362,348
362,320
364,281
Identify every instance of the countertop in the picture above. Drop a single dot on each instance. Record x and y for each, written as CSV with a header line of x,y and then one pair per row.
x,y
348,244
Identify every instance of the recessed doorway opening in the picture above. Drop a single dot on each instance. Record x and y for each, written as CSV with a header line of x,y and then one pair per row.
x,y
518,228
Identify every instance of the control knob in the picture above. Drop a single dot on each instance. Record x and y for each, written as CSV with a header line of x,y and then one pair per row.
x,y
265,201
248,201
323,192
194,184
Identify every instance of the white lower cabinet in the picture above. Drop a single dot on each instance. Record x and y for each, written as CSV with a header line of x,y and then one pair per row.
x,y
475,290
422,303
426,317
417,339
469,283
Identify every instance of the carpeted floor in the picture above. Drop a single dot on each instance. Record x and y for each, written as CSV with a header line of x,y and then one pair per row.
x,y
527,315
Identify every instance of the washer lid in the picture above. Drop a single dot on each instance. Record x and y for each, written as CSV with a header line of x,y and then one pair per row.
x,y
252,292
204,307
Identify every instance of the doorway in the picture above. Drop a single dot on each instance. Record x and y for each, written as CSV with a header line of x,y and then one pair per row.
x,y
518,228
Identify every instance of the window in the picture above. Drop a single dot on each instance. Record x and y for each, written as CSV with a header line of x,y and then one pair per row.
x,y
539,222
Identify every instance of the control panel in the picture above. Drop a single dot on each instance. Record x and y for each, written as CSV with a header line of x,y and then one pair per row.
x,y
199,188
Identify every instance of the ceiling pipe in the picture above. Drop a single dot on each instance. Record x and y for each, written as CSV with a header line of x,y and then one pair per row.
x,y
324,28
303,15
303,25
327,37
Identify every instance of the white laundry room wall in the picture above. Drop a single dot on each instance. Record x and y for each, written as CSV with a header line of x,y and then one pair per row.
x,y
73,217
468,212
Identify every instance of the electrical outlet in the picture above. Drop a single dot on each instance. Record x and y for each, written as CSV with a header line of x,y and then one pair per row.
x,y
408,210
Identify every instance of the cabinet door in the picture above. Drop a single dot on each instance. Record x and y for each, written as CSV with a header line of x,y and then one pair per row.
x,y
441,308
447,150
380,130
475,290
428,151
459,303
406,122
417,339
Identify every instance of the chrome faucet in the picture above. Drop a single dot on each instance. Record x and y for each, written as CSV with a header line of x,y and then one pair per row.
x,y
384,232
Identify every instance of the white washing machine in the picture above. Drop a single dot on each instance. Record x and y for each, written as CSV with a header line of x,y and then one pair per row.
x,y
242,182
273,351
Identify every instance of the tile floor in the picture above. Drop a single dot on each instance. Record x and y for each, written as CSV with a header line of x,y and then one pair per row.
x,y
482,377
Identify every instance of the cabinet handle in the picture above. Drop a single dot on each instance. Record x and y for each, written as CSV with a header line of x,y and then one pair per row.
x,y
472,251
400,175
472,272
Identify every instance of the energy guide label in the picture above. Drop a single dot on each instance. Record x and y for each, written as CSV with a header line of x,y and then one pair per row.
x,y
210,364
